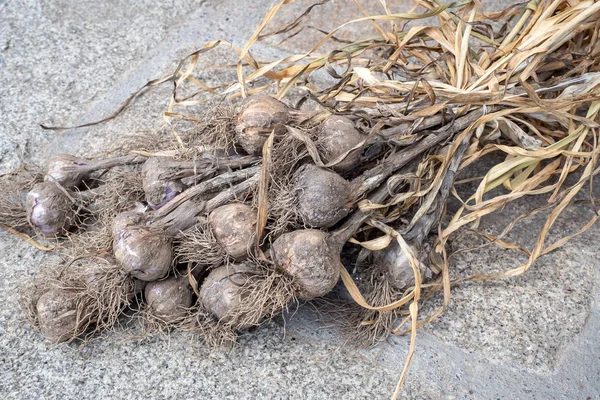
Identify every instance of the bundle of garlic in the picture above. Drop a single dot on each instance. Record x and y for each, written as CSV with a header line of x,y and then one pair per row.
x,y
265,204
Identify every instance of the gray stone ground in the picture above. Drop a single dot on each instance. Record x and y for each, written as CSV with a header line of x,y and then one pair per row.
x,y
64,62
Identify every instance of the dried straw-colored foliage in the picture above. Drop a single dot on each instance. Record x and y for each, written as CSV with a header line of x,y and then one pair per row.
x,y
534,87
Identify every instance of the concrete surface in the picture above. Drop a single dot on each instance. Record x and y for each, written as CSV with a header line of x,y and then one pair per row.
x,y
67,62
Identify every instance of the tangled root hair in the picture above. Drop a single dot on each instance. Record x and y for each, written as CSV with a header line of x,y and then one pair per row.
x,y
283,215
121,189
93,291
14,186
202,324
243,295
216,129
199,247
370,327
266,293
212,130
288,155
198,322
92,241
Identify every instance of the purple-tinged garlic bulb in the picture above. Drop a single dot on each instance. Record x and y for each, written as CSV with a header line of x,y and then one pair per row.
x,y
169,299
312,262
338,137
143,252
234,227
160,181
224,291
56,312
50,210
70,171
67,170
396,267
322,196
127,219
260,115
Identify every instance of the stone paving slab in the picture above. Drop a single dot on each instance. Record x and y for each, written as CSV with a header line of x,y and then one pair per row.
x,y
531,337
